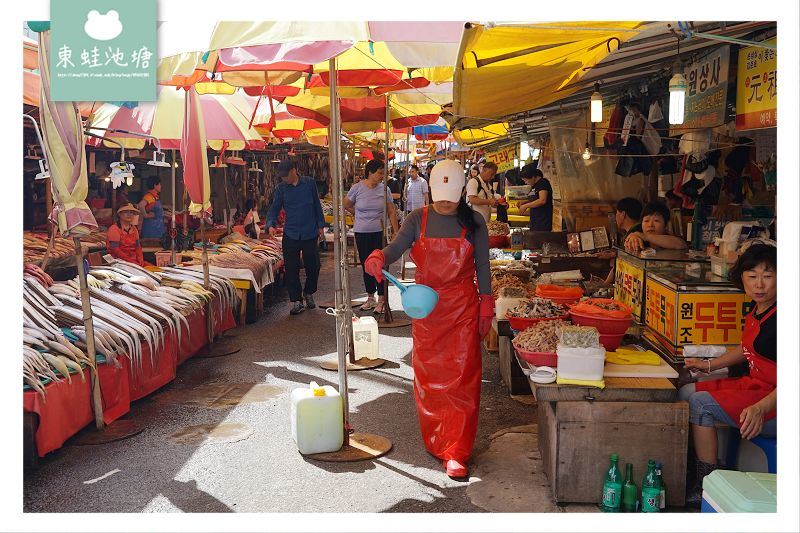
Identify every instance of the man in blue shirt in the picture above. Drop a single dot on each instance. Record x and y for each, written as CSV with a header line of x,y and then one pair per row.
x,y
298,198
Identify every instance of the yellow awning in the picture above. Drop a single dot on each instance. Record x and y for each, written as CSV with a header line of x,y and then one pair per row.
x,y
483,135
513,69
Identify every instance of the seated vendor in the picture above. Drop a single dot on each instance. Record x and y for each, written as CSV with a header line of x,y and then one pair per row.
x,y
749,402
655,217
122,239
627,218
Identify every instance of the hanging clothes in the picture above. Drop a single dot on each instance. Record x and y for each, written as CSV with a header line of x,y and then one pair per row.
x,y
612,136
736,394
446,352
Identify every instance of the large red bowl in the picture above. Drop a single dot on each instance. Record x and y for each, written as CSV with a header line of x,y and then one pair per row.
x,y
611,342
538,358
605,325
498,241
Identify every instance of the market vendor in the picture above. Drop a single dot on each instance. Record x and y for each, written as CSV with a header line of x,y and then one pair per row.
x,y
449,244
122,239
627,216
152,211
540,201
655,217
749,402
367,200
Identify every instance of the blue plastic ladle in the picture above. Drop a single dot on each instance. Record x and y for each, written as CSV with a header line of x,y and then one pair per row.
x,y
418,300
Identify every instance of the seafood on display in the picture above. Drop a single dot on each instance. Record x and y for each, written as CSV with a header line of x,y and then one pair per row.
x,y
498,229
130,306
537,308
501,281
580,337
542,337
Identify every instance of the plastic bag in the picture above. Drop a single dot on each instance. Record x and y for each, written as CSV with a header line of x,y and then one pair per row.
x,y
602,307
558,291
650,139
579,337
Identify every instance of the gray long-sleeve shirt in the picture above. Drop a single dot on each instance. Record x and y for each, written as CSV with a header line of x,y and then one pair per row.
x,y
444,226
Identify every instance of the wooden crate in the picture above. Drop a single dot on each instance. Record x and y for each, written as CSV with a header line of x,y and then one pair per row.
x,y
577,438
490,341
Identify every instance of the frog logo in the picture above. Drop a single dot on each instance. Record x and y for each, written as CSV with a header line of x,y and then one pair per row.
x,y
102,27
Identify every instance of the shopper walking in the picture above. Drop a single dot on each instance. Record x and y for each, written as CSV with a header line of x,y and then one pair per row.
x,y
449,244
367,199
479,190
298,198
415,194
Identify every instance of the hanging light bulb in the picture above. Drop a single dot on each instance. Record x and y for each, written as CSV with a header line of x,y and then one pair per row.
x,y
677,98
596,104
587,153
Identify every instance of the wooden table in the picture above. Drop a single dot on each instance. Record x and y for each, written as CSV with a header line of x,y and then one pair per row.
x,y
637,418
514,379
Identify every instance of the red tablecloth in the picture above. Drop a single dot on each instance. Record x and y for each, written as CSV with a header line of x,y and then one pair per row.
x,y
68,407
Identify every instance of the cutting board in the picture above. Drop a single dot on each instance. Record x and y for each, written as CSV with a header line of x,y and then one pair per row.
x,y
640,371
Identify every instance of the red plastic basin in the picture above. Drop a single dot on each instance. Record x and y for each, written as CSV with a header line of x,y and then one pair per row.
x,y
498,241
606,326
611,342
569,300
538,358
520,324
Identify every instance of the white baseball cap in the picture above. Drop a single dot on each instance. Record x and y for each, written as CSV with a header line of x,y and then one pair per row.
x,y
447,181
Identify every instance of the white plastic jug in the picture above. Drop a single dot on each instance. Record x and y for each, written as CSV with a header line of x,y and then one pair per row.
x,y
317,419
365,337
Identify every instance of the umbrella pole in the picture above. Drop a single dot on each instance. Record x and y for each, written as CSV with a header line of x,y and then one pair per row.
x,y
206,281
386,316
408,171
97,400
172,230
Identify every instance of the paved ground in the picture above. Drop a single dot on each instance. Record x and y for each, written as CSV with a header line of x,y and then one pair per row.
x,y
218,438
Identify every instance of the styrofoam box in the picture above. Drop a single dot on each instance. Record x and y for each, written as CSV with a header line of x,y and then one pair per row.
x,y
581,363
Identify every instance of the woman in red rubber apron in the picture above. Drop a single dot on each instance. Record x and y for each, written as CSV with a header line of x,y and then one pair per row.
x,y
749,402
450,246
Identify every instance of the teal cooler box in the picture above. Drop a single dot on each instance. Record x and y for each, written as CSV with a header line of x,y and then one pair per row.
x,y
729,491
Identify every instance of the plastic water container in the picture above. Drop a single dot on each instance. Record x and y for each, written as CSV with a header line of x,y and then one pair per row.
x,y
317,419
365,337
729,491
581,363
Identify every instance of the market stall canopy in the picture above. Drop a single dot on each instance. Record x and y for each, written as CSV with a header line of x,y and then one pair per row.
x,y
483,135
507,69
224,116
30,54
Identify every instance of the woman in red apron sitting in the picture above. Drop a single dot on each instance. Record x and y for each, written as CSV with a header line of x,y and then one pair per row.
x,y
749,402
122,240
450,245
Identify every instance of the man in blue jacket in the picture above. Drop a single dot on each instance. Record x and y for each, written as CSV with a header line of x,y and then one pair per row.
x,y
298,198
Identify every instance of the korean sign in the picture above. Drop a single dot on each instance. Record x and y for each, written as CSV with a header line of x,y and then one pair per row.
x,y
692,318
629,286
103,50
504,159
757,88
707,93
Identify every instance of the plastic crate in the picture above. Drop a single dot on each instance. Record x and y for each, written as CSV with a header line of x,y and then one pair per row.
x,y
728,491
163,259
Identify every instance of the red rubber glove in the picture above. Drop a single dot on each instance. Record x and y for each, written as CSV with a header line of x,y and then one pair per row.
x,y
374,265
485,314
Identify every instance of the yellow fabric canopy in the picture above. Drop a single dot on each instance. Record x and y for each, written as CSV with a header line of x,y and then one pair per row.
x,y
483,135
513,69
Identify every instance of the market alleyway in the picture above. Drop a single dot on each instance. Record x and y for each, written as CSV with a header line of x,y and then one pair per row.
x,y
249,462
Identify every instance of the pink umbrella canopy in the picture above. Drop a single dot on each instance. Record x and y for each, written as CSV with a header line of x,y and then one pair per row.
x,y
63,137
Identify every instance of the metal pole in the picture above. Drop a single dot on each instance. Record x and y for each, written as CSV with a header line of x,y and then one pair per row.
x,y
97,400
408,175
342,297
172,230
387,311
206,281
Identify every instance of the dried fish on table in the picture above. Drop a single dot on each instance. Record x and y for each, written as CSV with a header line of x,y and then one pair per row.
x,y
500,281
580,337
541,337
537,308
498,229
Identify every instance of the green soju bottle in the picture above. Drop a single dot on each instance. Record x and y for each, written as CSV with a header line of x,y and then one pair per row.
x,y
612,487
663,500
651,490
630,492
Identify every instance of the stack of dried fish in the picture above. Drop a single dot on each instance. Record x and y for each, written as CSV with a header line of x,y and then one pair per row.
x,y
501,280
541,337
45,348
34,246
498,229
537,308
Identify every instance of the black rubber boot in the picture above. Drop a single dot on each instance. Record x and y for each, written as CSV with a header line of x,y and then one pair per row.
x,y
694,497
